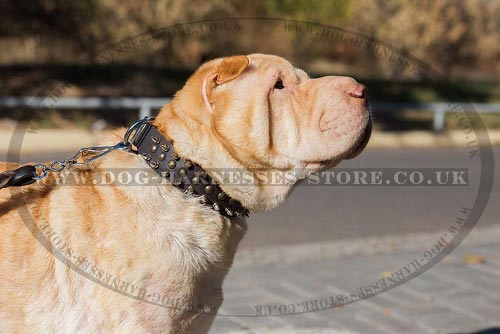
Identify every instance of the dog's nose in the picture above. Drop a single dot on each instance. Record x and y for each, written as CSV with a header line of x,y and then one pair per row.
x,y
358,91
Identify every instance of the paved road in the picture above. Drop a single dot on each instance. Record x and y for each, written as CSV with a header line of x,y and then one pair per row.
x,y
321,213
453,297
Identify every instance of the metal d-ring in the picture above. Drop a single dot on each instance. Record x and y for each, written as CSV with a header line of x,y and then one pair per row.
x,y
58,165
133,128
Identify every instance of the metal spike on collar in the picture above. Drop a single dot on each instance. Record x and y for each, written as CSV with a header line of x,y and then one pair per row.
x,y
229,212
186,175
243,213
203,199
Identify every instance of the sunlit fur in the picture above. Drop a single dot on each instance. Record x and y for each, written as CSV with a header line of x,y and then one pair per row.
x,y
154,236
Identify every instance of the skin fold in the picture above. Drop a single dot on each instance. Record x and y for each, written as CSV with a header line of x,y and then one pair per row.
x,y
246,113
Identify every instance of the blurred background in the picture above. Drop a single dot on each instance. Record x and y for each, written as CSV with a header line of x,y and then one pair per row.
x,y
44,42
104,63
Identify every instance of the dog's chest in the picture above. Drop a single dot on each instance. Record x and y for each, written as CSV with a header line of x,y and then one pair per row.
x,y
165,304
168,272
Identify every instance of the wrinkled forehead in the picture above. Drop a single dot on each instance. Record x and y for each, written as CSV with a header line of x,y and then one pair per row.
x,y
273,64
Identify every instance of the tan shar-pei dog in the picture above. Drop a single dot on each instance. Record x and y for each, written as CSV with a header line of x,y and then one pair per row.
x,y
116,258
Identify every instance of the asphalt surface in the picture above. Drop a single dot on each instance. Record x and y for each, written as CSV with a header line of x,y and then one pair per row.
x,y
322,213
328,212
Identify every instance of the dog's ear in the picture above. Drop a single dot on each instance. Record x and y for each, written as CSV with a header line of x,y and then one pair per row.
x,y
228,69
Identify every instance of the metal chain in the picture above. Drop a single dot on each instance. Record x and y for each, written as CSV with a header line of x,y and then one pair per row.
x,y
99,151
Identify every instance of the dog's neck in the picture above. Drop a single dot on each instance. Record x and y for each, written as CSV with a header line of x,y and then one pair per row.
x,y
184,174
185,122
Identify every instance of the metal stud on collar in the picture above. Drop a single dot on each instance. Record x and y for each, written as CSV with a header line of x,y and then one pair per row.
x,y
184,174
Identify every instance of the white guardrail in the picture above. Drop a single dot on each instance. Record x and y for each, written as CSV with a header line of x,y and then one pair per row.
x,y
146,105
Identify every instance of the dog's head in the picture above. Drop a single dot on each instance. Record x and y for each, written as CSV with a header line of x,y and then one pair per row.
x,y
258,113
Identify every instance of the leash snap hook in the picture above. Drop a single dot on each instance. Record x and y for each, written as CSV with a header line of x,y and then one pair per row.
x,y
28,174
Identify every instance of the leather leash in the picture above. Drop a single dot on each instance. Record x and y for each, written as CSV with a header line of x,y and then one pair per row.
x,y
158,152
21,176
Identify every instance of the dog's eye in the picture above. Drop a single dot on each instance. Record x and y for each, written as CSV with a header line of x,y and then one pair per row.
x,y
279,84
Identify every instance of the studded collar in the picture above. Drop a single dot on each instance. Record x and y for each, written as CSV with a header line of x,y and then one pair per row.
x,y
185,175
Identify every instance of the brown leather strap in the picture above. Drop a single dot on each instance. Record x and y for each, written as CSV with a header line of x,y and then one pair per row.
x,y
21,176
5,178
184,174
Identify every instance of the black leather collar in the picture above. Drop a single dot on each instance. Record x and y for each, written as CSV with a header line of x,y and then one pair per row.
x,y
184,174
